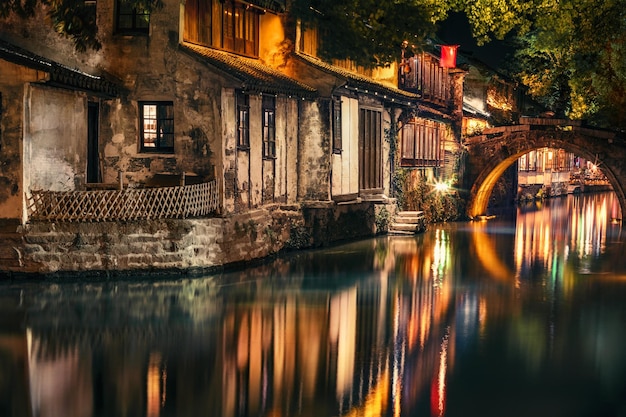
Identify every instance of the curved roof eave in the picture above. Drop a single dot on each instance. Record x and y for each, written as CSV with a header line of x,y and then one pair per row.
x,y
362,83
59,74
254,76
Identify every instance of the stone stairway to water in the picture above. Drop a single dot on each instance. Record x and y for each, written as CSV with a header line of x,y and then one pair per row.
x,y
407,223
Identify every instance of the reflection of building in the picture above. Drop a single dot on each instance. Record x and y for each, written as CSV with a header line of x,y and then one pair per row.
x,y
549,172
545,169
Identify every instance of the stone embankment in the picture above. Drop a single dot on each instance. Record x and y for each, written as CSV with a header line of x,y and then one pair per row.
x,y
180,246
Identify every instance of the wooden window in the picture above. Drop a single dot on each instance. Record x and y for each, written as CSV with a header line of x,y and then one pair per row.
x,y
156,121
198,17
243,121
309,39
370,149
423,74
130,19
269,127
421,144
229,25
336,124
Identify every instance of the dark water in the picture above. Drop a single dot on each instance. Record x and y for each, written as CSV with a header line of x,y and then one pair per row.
x,y
520,317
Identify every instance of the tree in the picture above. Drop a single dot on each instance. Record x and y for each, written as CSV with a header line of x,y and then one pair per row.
x,y
571,53
75,19
369,32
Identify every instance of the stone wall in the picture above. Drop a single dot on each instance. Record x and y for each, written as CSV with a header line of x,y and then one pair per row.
x,y
178,246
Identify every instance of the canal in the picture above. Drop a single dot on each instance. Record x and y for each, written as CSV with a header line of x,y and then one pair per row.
x,y
521,315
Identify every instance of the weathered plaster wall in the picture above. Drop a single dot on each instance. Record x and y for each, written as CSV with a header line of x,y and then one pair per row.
x,y
55,138
232,172
290,174
256,150
160,73
452,148
314,151
385,150
36,34
12,78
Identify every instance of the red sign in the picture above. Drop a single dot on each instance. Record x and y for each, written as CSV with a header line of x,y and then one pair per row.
x,y
448,56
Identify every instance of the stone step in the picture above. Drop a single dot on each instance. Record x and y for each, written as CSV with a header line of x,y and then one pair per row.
x,y
401,233
410,214
405,227
409,220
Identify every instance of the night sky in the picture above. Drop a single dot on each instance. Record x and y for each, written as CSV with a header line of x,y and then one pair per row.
x,y
456,31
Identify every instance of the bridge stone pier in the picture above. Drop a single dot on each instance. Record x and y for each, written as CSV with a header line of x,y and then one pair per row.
x,y
491,153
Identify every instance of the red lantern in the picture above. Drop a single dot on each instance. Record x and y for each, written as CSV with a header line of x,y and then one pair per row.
x,y
448,56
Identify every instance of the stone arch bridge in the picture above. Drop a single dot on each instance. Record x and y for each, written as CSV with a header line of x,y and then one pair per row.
x,y
491,153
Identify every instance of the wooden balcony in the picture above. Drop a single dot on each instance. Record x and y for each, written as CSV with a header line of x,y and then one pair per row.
x,y
173,202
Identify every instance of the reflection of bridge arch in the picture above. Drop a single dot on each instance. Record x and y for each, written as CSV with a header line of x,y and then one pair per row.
x,y
497,149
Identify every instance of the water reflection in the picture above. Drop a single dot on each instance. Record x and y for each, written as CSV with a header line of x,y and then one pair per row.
x,y
522,317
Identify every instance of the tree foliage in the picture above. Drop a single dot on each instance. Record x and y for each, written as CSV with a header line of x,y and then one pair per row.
x,y
570,54
75,19
369,32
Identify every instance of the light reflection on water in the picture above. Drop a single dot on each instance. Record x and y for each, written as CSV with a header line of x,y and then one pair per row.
x,y
520,317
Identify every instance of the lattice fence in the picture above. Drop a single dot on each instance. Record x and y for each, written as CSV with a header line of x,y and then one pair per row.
x,y
129,204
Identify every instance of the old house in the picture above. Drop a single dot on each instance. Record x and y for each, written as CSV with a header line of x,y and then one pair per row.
x,y
405,116
202,134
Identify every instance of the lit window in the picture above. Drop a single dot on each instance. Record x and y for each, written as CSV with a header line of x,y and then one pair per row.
x,y
157,126
224,24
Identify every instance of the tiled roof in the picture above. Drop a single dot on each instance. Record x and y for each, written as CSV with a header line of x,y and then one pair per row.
x,y
362,82
59,74
254,76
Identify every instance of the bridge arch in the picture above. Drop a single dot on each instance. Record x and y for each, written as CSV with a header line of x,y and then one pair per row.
x,y
490,154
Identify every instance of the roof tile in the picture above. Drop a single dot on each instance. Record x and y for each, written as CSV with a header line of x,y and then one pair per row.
x,y
360,81
59,73
255,76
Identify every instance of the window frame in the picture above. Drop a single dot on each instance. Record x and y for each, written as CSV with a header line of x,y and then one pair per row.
x,y
421,144
336,118
230,25
243,126
163,117
268,126
424,75
134,16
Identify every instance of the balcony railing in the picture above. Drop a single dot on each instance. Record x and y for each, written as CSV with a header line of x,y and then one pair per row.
x,y
177,202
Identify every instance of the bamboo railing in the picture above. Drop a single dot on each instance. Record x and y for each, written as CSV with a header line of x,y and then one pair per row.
x,y
177,202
